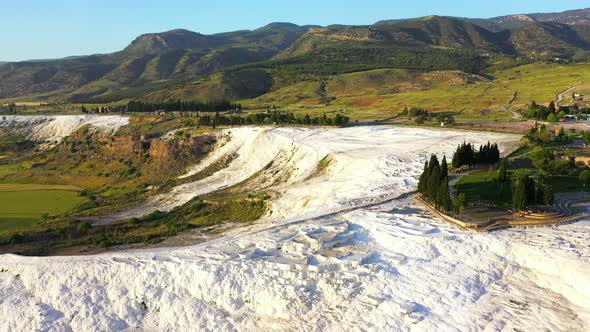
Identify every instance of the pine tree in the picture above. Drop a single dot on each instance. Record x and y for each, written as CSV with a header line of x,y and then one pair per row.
x,y
502,172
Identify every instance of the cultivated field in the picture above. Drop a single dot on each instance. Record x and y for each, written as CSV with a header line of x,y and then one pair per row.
x,y
23,205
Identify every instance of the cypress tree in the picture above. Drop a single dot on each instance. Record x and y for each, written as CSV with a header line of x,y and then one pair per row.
x,y
530,190
502,175
434,183
469,154
539,190
524,192
496,152
432,166
552,108
423,181
547,195
456,161
444,168
443,198
433,163
519,195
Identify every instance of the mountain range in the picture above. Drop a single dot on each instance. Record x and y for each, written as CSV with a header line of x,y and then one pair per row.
x,y
246,64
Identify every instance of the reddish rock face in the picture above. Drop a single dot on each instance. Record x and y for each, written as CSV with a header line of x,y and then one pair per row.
x,y
148,154
179,148
133,145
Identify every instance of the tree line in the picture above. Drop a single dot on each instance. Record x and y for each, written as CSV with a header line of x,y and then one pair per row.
x,y
276,117
220,105
466,154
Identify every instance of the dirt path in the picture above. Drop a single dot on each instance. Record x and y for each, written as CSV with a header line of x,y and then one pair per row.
x,y
515,114
514,96
508,108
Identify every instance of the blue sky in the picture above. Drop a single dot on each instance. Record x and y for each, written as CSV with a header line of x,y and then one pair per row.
x,y
39,29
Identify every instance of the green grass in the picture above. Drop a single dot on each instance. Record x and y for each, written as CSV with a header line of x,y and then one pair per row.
x,y
229,210
22,206
484,186
8,169
542,82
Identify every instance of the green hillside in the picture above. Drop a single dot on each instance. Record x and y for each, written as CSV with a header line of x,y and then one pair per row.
x,y
383,93
283,56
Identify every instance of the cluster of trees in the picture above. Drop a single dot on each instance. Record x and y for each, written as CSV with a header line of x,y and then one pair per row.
x,y
466,154
421,115
527,190
544,160
551,113
434,184
104,109
221,105
540,112
275,117
539,135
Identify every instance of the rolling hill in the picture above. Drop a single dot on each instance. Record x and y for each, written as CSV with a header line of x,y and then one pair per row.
x,y
172,55
247,64
570,17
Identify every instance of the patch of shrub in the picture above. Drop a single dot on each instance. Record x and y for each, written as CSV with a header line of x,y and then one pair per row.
x,y
155,215
83,227
15,239
104,244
